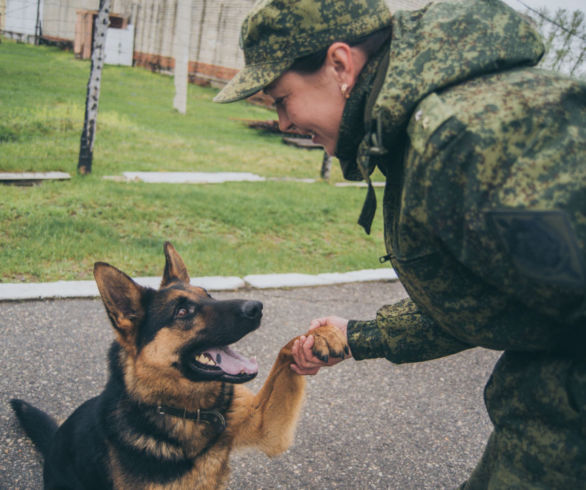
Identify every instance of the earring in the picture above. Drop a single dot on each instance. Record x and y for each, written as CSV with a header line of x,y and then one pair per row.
x,y
345,91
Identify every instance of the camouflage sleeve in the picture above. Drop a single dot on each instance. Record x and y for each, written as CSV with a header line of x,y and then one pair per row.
x,y
401,333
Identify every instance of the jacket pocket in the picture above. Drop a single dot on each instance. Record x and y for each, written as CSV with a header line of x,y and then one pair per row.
x,y
432,126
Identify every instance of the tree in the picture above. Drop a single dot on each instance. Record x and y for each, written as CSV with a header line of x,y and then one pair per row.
x,y
86,149
564,33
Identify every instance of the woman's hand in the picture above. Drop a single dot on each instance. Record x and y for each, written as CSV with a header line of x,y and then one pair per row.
x,y
305,362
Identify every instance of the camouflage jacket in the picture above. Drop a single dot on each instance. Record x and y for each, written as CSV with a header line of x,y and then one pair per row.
x,y
485,203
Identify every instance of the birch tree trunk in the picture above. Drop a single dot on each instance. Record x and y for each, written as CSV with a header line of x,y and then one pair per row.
x,y
181,43
86,149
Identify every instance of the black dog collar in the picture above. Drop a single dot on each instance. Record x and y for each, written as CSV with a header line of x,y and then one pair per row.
x,y
212,417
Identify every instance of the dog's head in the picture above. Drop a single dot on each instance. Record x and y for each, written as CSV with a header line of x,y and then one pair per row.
x,y
178,333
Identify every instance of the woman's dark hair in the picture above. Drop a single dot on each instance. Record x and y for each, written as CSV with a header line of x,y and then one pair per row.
x,y
369,44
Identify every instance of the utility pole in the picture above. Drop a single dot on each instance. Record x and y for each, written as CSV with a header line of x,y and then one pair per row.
x,y
181,44
86,149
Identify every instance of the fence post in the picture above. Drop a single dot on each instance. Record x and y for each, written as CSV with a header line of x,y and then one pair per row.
x,y
181,42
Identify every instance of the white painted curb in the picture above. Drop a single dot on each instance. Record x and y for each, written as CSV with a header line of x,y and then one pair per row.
x,y
298,280
88,289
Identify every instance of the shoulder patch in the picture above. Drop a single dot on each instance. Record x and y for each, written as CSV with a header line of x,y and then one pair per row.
x,y
541,244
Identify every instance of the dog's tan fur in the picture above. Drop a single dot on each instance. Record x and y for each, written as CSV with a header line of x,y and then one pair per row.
x,y
265,420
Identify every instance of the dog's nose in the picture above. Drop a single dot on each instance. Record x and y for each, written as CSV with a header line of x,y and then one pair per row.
x,y
252,309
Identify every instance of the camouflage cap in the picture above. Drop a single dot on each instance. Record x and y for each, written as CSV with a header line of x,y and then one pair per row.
x,y
277,32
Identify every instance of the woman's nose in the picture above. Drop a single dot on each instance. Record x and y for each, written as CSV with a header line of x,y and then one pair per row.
x,y
284,122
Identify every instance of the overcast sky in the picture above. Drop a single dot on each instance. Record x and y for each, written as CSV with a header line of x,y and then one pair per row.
x,y
536,4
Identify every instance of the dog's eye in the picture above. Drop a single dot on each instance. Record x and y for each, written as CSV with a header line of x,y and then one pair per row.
x,y
185,309
181,312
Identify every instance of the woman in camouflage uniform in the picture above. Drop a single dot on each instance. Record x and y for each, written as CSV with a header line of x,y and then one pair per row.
x,y
484,205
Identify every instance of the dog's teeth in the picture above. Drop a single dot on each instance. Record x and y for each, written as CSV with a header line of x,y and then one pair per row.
x,y
205,359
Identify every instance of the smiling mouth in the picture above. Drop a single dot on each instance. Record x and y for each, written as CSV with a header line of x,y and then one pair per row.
x,y
222,363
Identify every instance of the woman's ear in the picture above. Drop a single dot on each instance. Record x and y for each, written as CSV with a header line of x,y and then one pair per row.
x,y
346,61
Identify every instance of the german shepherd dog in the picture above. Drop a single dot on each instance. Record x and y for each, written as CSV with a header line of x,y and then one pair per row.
x,y
173,407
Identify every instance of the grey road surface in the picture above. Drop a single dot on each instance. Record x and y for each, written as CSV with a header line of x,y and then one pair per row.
x,y
367,424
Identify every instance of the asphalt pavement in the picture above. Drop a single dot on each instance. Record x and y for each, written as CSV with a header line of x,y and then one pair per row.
x,y
366,424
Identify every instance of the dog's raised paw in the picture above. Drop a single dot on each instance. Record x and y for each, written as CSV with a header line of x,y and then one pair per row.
x,y
329,342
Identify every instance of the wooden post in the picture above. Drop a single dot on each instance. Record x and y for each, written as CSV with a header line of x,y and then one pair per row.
x,y
86,149
38,23
326,165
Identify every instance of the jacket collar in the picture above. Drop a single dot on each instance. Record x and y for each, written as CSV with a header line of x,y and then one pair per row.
x,y
352,126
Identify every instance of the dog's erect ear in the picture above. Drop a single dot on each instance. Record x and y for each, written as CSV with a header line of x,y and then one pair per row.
x,y
122,298
175,269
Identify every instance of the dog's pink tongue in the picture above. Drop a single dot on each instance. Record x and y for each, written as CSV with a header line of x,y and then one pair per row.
x,y
231,362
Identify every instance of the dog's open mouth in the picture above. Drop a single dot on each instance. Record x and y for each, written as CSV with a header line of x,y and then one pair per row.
x,y
223,363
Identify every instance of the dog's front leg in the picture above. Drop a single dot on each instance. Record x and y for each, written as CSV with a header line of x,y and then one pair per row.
x,y
268,419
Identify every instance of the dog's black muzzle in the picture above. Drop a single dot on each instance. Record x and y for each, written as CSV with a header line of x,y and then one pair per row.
x,y
209,357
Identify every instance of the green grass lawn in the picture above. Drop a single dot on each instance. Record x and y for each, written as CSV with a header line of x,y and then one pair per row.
x,y
58,230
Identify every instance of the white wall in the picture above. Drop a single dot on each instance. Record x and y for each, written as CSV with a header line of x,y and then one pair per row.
x,y
21,16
